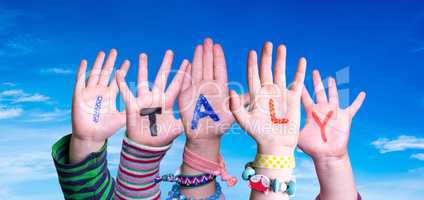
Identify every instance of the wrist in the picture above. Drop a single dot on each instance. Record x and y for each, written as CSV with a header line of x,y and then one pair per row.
x,y
206,148
275,150
332,162
79,148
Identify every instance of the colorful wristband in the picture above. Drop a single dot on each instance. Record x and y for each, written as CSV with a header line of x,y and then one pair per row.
x,y
265,161
206,166
264,184
175,194
187,181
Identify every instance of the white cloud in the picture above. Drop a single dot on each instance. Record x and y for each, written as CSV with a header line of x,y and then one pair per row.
x,y
418,156
19,96
32,98
403,142
20,45
55,115
10,113
9,84
13,93
57,70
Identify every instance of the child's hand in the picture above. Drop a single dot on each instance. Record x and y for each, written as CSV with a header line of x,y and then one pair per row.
x,y
94,113
326,132
275,116
208,86
139,127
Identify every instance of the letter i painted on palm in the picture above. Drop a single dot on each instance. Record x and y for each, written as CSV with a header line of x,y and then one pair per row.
x,y
322,124
208,111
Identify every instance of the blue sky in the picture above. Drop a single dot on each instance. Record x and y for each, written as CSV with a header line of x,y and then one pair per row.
x,y
373,46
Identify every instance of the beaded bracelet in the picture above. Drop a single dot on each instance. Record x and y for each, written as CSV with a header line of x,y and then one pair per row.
x,y
264,184
175,194
187,181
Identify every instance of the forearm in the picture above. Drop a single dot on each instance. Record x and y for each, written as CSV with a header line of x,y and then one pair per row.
x,y
208,149
336,178
284,175
80,148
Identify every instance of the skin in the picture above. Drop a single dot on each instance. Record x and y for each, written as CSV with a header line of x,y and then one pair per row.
x,y
208,77
331,158
138,126
271,138
88,136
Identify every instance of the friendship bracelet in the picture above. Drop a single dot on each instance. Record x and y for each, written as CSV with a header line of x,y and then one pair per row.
x,y
262,183
206,166
175,194
187,181
265,161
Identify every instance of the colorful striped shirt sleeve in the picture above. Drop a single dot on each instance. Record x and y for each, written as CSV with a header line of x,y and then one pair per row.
x,y
139,165
88,179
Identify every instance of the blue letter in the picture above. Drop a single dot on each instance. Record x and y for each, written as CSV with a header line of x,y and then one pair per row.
x,y
201,114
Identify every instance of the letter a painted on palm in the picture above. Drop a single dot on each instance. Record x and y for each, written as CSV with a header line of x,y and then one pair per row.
x,y
208,111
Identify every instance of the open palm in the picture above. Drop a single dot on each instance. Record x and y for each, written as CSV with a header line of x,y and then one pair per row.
x,y
209,79
94,113
275,113
327,128
167,126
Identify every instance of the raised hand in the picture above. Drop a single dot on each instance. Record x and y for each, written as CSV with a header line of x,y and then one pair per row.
x,y
274,118
157,102
327,128
94,114
203,101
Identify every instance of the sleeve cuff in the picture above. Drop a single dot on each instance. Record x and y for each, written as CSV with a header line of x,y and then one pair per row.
x,y
86,179
138,167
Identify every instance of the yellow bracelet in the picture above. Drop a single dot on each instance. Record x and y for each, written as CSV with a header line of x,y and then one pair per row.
x,y
274,162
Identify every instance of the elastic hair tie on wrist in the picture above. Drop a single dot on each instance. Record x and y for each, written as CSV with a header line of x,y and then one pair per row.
x,y
218,169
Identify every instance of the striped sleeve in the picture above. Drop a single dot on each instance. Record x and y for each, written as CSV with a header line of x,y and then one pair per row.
x,y
88,179
139,165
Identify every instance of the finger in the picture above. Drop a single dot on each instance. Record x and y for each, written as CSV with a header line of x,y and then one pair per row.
x,y
220,66
108,68
319,87
307,101
280,67
95,71
238,110
299,78
162,76
142,77
124,69
253,74
80,80
129,99
197,67
354,107
175,86
266,64
333,97
208,59
187,78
